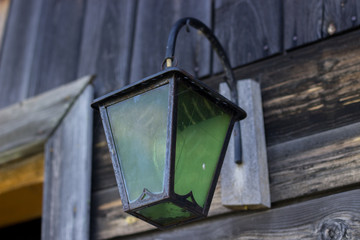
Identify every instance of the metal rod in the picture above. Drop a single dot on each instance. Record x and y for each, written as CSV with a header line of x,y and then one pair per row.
x,y
230,80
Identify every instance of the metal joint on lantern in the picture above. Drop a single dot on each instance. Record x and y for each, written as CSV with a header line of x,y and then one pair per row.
x,y
168,62
167,135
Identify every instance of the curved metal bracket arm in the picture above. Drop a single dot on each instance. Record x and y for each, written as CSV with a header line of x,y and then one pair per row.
x,y
230,80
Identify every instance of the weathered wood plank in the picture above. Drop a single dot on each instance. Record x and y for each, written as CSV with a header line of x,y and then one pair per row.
x,y
153,23
340,15
246,185
307,91
107,41
17,50
4,7
54,61
332,217
67,185
25,126
109,220
103,172
302,22
22,173
316,163
255,30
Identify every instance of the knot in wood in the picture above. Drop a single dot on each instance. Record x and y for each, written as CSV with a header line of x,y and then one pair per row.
x,y
331,29
334,229
327,65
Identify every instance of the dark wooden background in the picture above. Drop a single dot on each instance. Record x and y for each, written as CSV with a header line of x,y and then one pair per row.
x,y
305,54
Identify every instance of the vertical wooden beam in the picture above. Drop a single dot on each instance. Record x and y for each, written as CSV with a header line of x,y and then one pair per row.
x,y
57,47
4,6
246,185
67,185
17,51
153,24
106,45
249,30
302,22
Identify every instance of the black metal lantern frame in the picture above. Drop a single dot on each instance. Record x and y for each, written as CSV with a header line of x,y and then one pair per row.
x,y
173,77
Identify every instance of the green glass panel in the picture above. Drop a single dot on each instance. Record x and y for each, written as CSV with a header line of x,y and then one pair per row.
x,y
166,213
139,129
201,131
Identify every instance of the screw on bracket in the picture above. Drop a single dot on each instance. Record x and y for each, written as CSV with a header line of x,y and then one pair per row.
x,y
331,29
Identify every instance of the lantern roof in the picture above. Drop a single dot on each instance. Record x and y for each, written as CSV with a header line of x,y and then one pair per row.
x,y
149,83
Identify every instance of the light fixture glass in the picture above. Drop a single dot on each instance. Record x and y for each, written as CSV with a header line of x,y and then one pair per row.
x,y
138,126
201,130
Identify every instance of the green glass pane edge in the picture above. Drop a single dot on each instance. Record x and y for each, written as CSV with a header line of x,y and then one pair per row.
x,y
166,84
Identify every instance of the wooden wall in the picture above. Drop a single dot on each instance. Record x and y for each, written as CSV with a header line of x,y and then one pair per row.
x,y
4,9
305,54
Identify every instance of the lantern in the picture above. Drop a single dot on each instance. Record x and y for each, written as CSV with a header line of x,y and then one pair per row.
x,y
167,135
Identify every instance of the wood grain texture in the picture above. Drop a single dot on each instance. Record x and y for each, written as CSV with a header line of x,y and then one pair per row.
x,y
107,41
17,50
302,22
153,24
315,163
25,126
106,51
307,91
103,173
57,47
248,30
4,9
340,15
332,217
67,188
